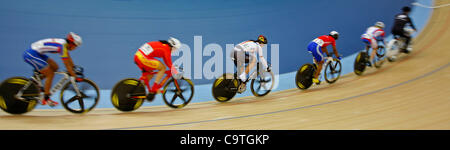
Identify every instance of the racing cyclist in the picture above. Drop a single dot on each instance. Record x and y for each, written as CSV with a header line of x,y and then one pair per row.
x,y
247,52
399,24
145,59
35,56
371,37
318,46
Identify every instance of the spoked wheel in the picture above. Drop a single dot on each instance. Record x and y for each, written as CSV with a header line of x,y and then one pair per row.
x,y
379,60
10,87
304,76
225,87
80,104
333,71
263,83
178,93
128,94
360,63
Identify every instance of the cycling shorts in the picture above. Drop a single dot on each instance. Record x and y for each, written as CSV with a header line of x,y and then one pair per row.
x,y
37,60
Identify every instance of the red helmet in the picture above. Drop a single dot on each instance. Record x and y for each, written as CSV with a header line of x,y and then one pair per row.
x,y
74,38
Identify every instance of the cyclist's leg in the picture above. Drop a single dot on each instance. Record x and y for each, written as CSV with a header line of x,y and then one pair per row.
x,y
147,66
44,65
316,51
374,45
240,61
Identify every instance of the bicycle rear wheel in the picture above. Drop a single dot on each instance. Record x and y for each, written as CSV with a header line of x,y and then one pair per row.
x,y
304,76
178,93
360,63
128,94
263,83
332,71
89,96
10,87
225,87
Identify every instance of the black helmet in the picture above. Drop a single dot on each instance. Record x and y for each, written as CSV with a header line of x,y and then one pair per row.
x,y
406,9
262,39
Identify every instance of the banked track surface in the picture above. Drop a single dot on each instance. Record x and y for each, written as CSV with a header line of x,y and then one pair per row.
x,y
411,93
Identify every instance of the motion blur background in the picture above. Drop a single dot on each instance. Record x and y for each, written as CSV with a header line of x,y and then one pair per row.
x,y
113,30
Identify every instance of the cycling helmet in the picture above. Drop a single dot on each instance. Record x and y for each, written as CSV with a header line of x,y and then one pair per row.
x,y
262,39
334,34
406,9
74,38
175,43
379,24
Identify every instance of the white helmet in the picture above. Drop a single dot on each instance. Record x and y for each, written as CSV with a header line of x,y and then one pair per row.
x,y
379,24
175,43
334,34
74,38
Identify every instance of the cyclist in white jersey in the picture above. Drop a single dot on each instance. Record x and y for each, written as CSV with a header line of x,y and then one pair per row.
x,y
371,37
247,52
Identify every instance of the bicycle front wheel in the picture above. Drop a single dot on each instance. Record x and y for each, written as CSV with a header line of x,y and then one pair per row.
x,y
263,84
332,71
178,93
88,99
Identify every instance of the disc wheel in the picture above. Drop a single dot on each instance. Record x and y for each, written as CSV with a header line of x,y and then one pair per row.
x,y
360,63
128,95
224,88
304,76
10,87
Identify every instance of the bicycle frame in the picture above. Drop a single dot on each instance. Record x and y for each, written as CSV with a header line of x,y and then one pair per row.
x,y
168,74
38,82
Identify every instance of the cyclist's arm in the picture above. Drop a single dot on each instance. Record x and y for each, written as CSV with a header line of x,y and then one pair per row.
x,y
69,66
67,60
411,24
168,61
261,57
324,49
334,49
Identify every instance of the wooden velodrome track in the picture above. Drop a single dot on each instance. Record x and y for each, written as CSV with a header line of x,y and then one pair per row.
x,y
411,93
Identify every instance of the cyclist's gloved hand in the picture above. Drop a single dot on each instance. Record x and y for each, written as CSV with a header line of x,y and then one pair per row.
x,y
339,57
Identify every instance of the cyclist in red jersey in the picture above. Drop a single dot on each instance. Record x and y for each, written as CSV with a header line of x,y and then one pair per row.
x,y
145,60
316,46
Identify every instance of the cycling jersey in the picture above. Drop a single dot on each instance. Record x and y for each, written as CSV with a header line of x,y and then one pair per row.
x,y
51,45
325,40
157,49
315,46
251,48
400,21
373,35
35,56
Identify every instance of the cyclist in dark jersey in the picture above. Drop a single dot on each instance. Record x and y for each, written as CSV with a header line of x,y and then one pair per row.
x,y
400,21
